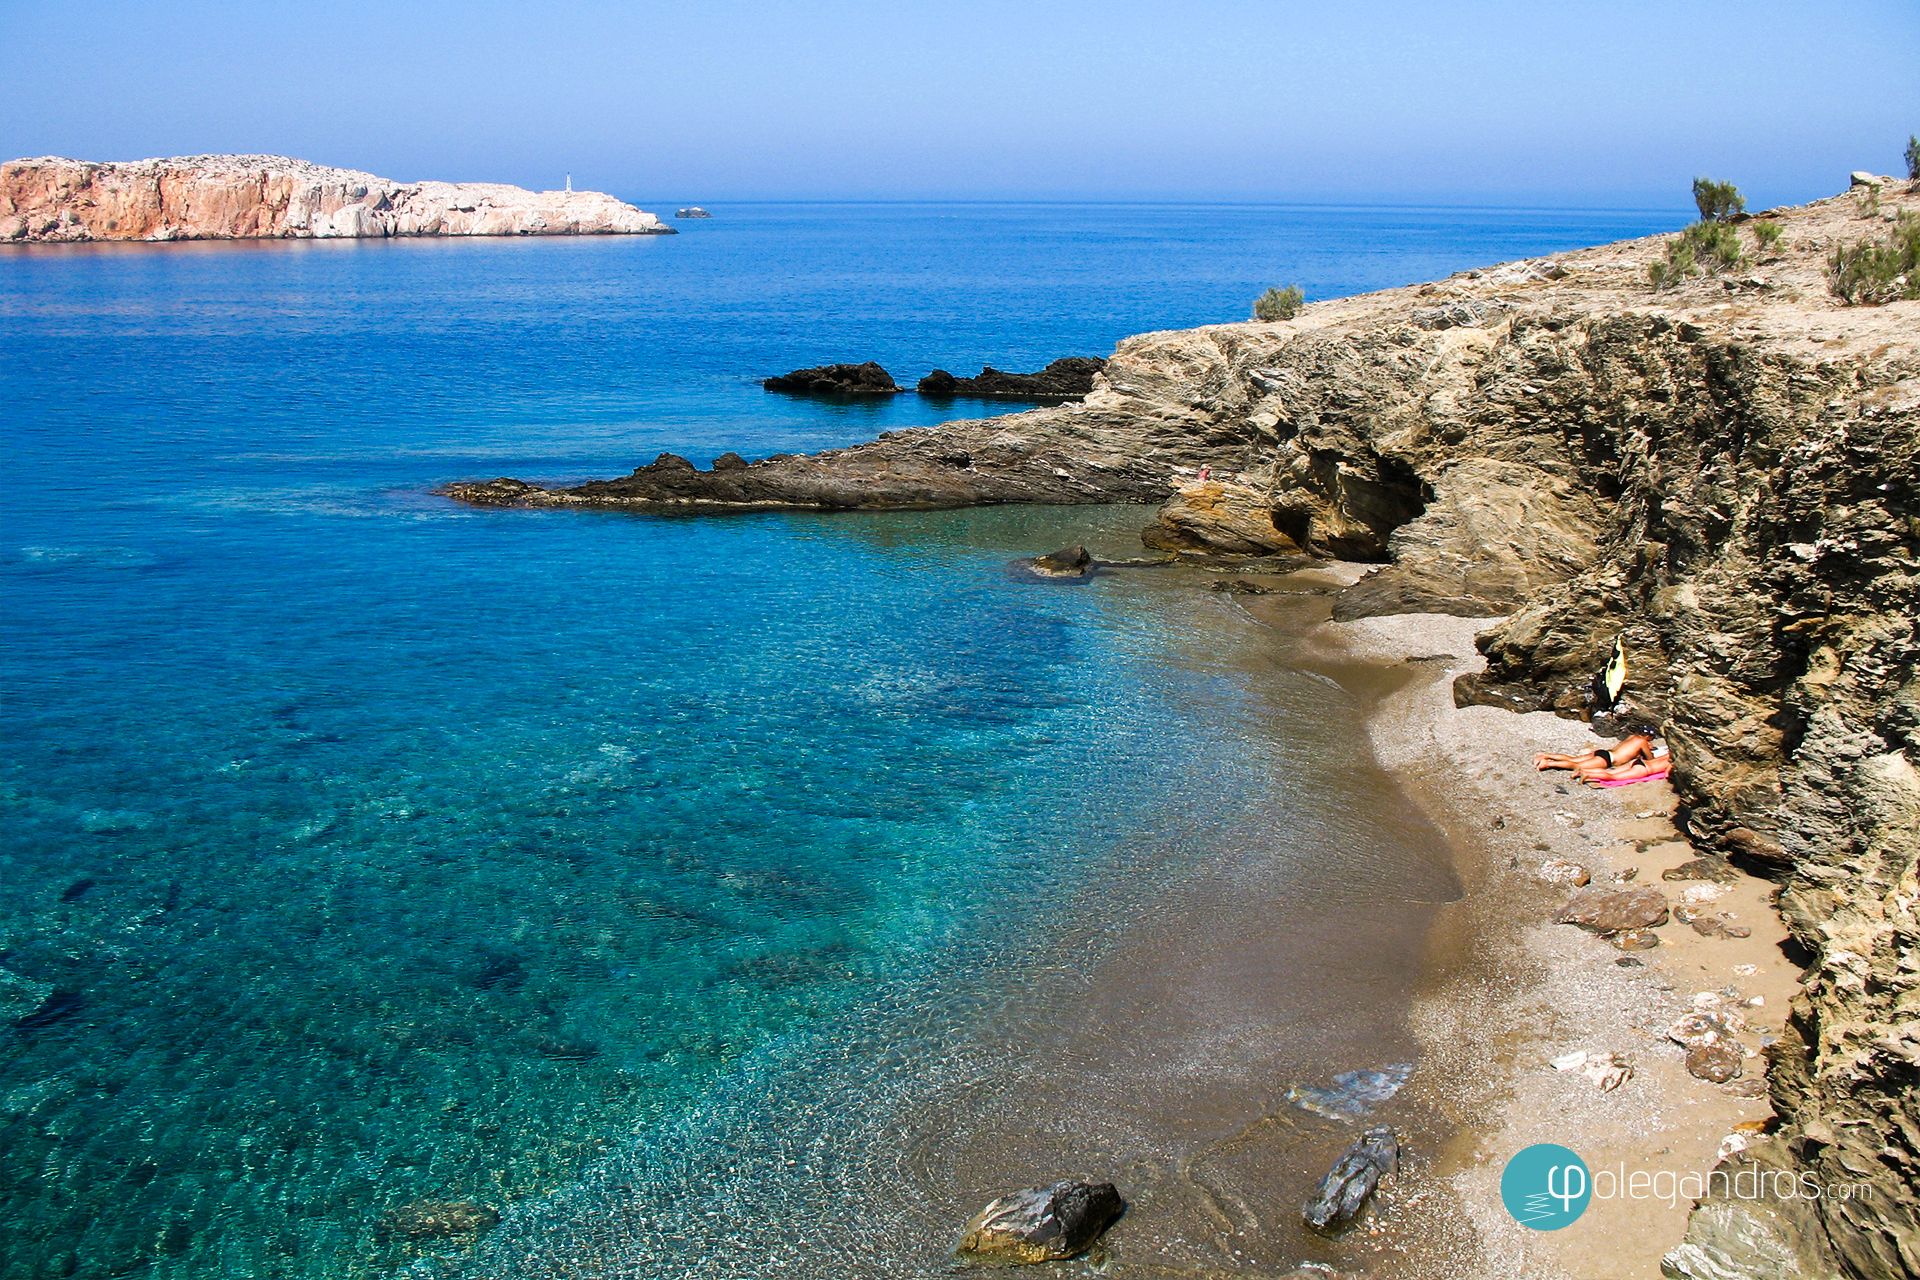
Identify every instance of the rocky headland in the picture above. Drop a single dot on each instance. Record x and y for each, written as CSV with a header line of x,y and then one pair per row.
x,y
1725,472
228,197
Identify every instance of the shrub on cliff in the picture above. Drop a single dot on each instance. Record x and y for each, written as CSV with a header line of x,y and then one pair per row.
x,y
1874,271
1710,246
1279,304
1717,201
1766,235
1913,157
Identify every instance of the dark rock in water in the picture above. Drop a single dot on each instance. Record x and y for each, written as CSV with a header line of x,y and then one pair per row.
x,y
1348,1185
437,1220
1062,380
500,973
729,461
1041,1224
1068,562
867,379
77,890
1602,909
692,211
22,997
57,1007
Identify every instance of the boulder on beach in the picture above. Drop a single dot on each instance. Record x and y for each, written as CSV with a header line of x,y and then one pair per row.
x,y
1607,909
1064,379
1041,1224
1344,1192
867,379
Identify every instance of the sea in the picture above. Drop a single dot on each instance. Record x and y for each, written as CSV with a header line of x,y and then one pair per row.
x,y
389,887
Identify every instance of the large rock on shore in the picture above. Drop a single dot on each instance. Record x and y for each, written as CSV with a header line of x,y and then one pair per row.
x,y
232,197
1061,380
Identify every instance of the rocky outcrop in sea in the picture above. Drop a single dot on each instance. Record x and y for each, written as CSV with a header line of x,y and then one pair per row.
x,y
1725,473
228,197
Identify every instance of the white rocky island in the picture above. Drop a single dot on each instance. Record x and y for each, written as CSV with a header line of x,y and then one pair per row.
x,y
228,197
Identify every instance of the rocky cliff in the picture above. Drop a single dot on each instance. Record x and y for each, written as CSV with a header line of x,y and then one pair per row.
x,y
274,197
1727,472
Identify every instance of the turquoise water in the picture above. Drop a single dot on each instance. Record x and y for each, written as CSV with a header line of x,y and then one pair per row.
x,y
382,851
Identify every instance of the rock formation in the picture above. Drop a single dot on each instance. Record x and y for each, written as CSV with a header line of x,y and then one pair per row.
x,y
1064,379
1042,1224
1351,1182
1726,472
867,379
274,197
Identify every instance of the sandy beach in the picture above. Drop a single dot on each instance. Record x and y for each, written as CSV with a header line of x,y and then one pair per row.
x,y
1508,991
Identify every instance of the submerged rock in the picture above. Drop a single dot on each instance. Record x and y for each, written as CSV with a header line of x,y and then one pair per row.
x,y
437,1220
1041,1224
1063,379
867,379
1350,1183
21,998
1607,909
1353,1094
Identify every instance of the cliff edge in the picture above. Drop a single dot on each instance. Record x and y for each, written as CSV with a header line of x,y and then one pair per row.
x,y
226,197
1725,472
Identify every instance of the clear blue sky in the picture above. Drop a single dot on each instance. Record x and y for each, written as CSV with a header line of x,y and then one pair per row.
x,y
1389,101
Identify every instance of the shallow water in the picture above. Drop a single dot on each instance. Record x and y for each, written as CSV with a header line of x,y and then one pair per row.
x,y
652,880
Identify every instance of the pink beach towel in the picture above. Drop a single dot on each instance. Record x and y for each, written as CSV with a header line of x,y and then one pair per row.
x,y
1627,782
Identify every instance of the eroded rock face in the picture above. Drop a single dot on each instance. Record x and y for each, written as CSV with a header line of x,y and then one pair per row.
x,y
276,197
1041,1224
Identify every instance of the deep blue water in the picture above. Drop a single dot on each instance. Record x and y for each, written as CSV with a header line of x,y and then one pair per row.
x,y
379,850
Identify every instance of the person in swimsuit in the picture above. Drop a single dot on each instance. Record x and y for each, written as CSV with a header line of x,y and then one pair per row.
x,y
1632,748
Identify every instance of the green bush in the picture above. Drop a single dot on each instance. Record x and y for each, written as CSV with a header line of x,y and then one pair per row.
x,y
1716,245
1717,201
1678,266
1766,235
1874,271
1279,304
1704,246
1913,157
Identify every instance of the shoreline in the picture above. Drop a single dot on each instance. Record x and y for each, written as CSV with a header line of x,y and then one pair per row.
x,y
1505,990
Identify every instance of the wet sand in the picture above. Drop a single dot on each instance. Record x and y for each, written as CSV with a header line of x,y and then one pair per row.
x,y
1167,1067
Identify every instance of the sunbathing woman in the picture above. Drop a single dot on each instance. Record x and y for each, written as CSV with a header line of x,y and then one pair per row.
x,y
1655,767
1638,746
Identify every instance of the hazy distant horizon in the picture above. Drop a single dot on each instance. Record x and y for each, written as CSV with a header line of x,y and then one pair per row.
x,y
1484,103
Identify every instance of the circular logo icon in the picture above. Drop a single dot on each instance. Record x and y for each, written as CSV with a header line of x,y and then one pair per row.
x,y
1546,1187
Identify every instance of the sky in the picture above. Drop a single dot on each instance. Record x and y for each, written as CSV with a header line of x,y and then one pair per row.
x,y
1512,102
